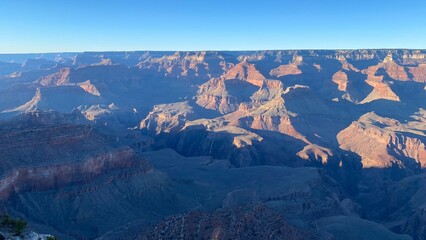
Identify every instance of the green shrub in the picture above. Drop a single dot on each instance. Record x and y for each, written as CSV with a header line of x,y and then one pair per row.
x,y
18,226
6,220
15,226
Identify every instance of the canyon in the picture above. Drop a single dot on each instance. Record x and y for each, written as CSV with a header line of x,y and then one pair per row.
x,y
282,144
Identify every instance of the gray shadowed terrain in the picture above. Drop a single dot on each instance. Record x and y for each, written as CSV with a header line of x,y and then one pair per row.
x,y
293,144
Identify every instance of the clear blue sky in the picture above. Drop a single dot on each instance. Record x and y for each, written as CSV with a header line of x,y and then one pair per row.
x,y
98,25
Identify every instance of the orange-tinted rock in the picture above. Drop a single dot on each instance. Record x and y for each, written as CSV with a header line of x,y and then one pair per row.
x,y
419,73
166,118
56,79
376,140
247,72
284,70
90,88
341,79
381,91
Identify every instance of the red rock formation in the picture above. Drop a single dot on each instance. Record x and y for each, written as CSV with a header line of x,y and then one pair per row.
x,y
90,88
56,79
271,116
29,179
382,142
41,151
245,71
394,70
288,69
419,73
381,89
166,118
284,70
341,79
187,64
215,94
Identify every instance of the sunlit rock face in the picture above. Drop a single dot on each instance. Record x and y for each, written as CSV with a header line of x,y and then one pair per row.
x,y
105,145
383,142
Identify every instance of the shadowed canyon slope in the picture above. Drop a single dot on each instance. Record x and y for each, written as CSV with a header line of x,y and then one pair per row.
x,y
291,144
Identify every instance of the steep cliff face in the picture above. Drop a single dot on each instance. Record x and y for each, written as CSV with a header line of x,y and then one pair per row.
x,y
59,78
341,79
419,73
383,142
213,138
234,87
194,65
88,87
54,170
246,72
271,116
42,178
215,95
322,109
399,205
41,156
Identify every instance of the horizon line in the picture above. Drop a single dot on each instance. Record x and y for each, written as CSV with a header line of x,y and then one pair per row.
x,y
235,50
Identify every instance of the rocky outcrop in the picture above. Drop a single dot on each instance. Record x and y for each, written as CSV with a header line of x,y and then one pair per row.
x,y
58,175
381,90
59,78
271,116
88,87
251,222
167,118
201,65
46,161
384,142
288,69
379,82
246,72
64,170
210,137
269,90
341,79
419,73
